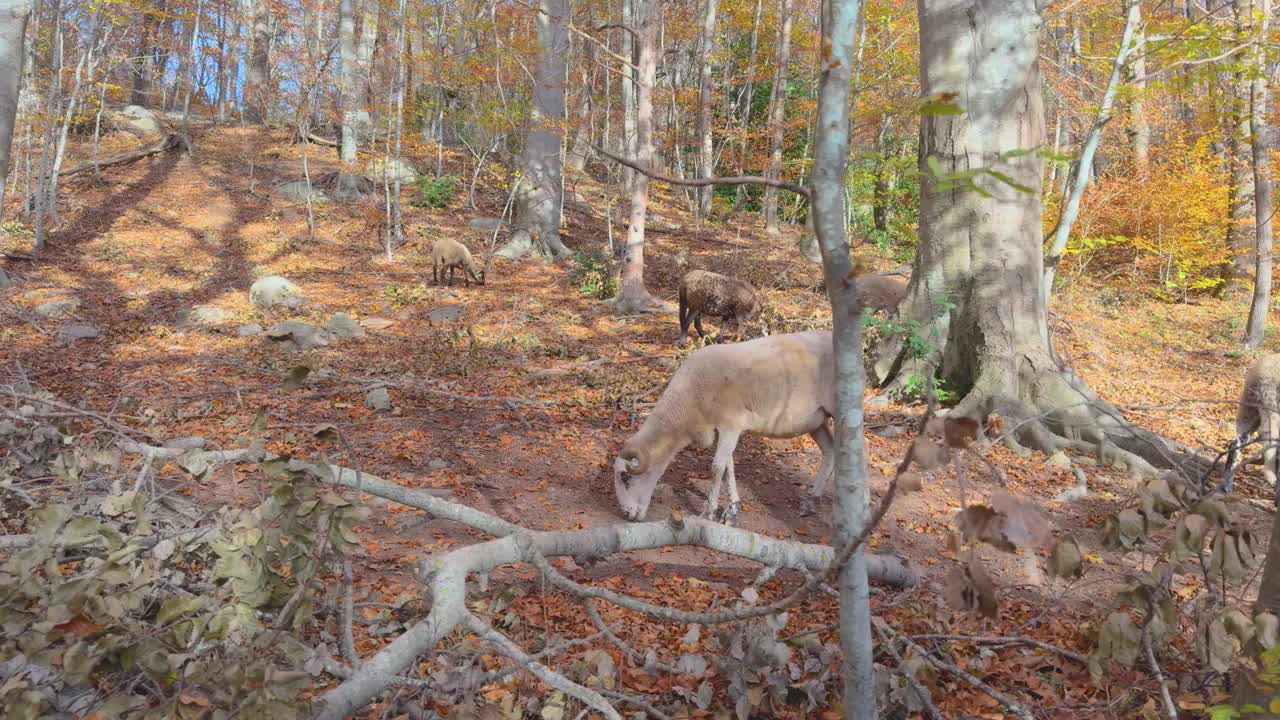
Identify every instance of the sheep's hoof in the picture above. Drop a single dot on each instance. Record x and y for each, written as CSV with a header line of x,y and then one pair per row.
x,y
808,506
729,514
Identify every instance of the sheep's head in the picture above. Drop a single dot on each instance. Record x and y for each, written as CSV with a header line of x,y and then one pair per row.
x,y
634,481
477,272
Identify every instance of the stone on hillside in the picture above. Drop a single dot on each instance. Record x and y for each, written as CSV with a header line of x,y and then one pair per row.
x,y
445,313
138,120
249,330
273,290
61,307
1058,461
373,171
437,465
488,224
344,326
5,281
876,402
71,333
298,190
297,336
202,316
378,399
376,323
348,187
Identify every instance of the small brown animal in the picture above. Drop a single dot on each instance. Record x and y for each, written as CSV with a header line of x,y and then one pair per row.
x,y
881,292
449,254
717,295
1259,412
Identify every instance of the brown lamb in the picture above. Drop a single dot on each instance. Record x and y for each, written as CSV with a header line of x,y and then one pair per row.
x,y
449,254
881,292
717,295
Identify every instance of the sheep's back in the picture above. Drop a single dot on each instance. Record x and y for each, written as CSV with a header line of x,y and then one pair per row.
x,y
775,385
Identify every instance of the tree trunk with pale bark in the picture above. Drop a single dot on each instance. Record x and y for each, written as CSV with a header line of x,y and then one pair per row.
x,y
13,31
706,150
777,118
1260,139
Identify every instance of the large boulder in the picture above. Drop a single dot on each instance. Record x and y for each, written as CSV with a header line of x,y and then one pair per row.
x,y
138,120
5,281
298,190
60,308
71,333
373,171
272,291
487,224
344,326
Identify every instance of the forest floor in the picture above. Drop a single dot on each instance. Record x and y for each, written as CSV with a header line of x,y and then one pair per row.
x,y
169,233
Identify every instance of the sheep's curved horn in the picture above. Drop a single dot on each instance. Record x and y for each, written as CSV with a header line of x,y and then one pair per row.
x,y
637,460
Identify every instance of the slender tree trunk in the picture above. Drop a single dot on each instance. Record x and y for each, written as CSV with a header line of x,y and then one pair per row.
x,y
397,225
191,79
52,102
349,107
979,273
1241,233
581,148
539,198
1140,127
1260,132
634,296
257,92
706,156
831,152
880,189
630,50
777,120
366,41
13,31
748,98
1080,182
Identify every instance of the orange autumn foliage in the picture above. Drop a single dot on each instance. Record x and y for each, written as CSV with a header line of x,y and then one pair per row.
x,y
1166,222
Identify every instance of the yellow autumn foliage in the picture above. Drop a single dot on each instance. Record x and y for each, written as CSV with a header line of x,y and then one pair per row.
x,y
1166,221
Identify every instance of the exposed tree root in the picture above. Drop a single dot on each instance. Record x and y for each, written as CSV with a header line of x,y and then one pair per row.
x,y
636,302
522,243
171,142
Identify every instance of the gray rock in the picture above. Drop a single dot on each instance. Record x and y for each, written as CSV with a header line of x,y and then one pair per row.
x,y
890,431
71,333
445,313
373,171
139,120
298,190
249,330
274,290
344,326
192,442
1058,461
488,224
202,315
437,464
58,308
376,323
876,402
378,399
5,280
297,336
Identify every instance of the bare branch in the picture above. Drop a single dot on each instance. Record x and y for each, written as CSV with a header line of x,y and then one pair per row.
x,y
1012,705
1074,656
701,182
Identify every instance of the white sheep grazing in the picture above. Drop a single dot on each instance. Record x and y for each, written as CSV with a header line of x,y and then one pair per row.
x,y
777,386
449,254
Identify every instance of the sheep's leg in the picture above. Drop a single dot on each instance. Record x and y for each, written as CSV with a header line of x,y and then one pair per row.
x,y
822,436
435,273
697,323
452,268
685,318
720,465
730,513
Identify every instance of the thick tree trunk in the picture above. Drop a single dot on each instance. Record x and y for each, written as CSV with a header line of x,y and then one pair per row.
x,y
1260,134
880,190
706,151
634,296
978,278
347,105
1241,231
13,31
257,92
538,200
777,117
849,515
365,44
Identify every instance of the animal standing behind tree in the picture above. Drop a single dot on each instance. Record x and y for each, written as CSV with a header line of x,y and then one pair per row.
x,y
881,292
779,386
449,254
717,295
1259,412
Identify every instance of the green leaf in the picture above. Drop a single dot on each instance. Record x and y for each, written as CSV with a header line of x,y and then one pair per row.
x,y
940,104
935,166
1223,712
176,607
1010,181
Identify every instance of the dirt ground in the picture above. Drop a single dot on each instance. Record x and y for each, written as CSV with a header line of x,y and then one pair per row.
x,y
168,233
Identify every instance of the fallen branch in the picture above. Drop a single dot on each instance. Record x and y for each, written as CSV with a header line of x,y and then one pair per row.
x,y
1010,704
1074,656
171,142
922,693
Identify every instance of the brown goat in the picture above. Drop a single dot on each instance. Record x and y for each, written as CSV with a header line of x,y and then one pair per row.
x,y
717,295
1259,412
449,254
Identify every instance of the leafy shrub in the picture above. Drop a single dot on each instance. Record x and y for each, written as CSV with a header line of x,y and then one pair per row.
x,y
434,192
1168,221
593,274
